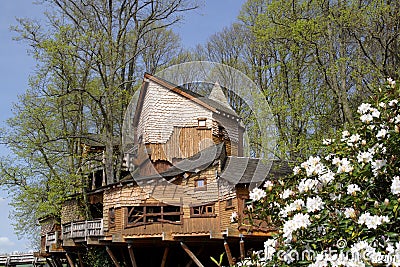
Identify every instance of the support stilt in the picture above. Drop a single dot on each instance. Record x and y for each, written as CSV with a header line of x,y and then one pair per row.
x,y
164,258
113,258
242,250
57,261
132,255
228,253
81,264
49,262
70,261
191,255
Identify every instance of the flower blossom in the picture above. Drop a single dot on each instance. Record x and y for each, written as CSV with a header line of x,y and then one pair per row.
x,y
286,193
313,166
314,204
349,213
365,157
391,82
344,166
395,187
256,194
352,189
299,221
372,221
307,184
269,248
381,133
353,139
268,184
298,204
377,165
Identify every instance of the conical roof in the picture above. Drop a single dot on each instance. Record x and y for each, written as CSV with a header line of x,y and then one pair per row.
x,y
218,96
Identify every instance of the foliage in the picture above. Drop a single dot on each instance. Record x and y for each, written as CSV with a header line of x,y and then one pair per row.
x,y
91,56
341,208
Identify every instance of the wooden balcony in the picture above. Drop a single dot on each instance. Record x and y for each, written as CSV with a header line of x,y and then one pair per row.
x,y
20,259
83,229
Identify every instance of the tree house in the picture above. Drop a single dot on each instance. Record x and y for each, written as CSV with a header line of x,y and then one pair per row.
x,y
187,176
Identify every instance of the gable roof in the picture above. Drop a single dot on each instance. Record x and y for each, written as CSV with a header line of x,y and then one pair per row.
x,y
213,105
242,170
193,164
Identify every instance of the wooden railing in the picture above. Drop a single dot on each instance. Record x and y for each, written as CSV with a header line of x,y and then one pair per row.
x,y
83,229
19,259
52,238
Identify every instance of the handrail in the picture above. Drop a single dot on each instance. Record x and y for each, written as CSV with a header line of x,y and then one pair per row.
x,y
83,229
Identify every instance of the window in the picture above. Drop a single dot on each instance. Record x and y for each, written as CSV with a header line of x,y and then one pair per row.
x,y
202,211
200,184
111,217
139,215
229,204
201,122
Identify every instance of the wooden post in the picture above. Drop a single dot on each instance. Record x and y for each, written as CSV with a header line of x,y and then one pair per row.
x,y
164,258
191,255
131,255
49,262
242,250
80,260
114,259
70,261
228,253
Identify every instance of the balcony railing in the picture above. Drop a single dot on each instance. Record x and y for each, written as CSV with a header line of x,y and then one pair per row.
x,y
83,229
52,238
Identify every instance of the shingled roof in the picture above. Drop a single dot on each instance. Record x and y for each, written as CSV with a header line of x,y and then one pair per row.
x,y
242,170
209,103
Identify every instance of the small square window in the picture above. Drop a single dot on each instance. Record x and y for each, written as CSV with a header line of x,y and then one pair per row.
x,y
201,123
200,183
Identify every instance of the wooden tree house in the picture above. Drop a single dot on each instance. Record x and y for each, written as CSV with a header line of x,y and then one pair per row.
x,y
187,175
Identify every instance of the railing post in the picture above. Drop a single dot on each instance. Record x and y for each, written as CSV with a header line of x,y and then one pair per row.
x,y
86,230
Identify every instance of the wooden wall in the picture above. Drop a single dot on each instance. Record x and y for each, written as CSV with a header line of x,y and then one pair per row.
x,y
72,210
163,110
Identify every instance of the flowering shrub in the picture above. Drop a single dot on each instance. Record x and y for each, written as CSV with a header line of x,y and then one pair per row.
x,y
340,209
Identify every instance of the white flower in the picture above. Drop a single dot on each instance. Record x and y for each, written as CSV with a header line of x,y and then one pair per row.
x,y
375,113
349,212
395,185
393,102
366,118
372,221
296,205
327,177
391,82
382,104
364,108
336,161
314,204
381,133
397,119
256,194
352,189
313,166
296,170
234,216
328,141
307,184
353,139
345,134
365,157
345,166
377,165
299,221
268,184
286,193
269,248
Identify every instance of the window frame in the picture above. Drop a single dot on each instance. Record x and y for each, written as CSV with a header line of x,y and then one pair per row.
x,y
202,211
152,214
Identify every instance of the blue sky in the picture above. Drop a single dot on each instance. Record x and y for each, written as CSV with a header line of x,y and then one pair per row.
x,y
16,66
